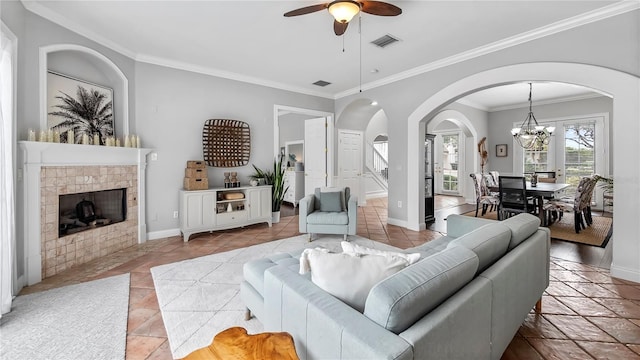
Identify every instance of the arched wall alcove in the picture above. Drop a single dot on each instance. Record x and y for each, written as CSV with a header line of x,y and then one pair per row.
x,y
625,91
471,139
89,65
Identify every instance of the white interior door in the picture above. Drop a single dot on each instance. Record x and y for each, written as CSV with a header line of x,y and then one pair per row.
x,y
350,160
315,167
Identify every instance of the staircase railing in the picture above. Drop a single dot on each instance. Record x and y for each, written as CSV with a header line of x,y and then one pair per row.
x,y
380,164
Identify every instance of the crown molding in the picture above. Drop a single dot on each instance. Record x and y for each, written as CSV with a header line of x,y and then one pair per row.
x,y
589,17
228,75
546,102
63,21
472,104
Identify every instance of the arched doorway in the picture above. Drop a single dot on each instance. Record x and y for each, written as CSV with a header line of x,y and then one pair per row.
x,y
625,90
470,135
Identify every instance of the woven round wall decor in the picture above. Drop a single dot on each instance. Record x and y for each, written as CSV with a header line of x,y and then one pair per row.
x,y
226,143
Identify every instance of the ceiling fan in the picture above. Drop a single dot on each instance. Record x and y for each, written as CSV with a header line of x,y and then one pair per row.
x,y
344,10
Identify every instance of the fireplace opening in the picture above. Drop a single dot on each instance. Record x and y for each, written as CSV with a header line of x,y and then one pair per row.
x,y
89,210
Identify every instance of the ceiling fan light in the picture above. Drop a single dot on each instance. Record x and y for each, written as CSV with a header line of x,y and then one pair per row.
x,y
344,11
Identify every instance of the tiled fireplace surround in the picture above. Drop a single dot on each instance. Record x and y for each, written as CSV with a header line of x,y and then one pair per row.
x,y
51,170
59,254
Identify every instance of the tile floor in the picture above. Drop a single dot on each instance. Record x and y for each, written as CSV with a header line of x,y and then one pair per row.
x,y
586,314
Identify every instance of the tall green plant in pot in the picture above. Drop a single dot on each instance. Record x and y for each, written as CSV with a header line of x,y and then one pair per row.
x,y
274,178
278,190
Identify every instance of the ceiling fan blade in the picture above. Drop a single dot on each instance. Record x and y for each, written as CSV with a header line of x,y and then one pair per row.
x,y
380,8
306,10
339,28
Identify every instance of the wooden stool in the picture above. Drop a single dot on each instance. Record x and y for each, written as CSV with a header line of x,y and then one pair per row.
x,y
235,343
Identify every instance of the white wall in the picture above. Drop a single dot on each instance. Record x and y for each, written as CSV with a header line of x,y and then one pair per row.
x,y
171,117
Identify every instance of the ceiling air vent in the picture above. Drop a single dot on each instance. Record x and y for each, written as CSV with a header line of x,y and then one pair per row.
x,y
385,40
321,83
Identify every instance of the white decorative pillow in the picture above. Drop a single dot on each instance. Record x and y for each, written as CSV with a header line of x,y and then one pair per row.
x,y
355,249
347,277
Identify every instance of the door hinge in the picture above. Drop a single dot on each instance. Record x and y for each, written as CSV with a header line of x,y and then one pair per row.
x,y
326,150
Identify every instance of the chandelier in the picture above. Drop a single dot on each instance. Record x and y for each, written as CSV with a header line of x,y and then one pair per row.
x,y
531,135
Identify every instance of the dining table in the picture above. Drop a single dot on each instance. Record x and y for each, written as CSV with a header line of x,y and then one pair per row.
x,y
541,191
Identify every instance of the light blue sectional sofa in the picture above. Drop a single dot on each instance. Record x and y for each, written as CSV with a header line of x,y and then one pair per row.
x,y
465,299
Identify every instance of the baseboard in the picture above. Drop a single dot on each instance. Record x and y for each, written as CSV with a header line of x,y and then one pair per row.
x,y
625,273
375,195
163,234
405,224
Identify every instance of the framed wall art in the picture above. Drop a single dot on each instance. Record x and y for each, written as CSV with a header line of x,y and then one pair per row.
x,y
78,105
501,150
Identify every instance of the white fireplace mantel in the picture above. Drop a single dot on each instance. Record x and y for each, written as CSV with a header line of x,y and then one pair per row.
x,y
35,155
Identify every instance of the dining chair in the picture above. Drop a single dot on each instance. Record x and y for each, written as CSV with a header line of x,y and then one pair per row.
x,y
580,206
513,197
483,197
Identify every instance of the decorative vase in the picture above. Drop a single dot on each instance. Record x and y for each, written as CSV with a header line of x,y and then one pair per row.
x,y
253,182
275,217
229,208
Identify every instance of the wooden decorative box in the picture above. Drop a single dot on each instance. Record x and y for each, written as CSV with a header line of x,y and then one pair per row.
x,y
196,184
196,164
195,173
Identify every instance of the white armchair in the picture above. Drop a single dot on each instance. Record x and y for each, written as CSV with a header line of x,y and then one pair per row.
x,y
329,211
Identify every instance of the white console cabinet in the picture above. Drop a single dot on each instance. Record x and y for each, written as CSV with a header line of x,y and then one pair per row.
x,y
223,208
295,181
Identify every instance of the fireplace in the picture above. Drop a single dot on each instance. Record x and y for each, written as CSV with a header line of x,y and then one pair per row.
x,y
89,210
51,170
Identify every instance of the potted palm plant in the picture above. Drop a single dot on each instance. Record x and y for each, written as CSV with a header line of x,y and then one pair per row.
x,y
274,178
278,190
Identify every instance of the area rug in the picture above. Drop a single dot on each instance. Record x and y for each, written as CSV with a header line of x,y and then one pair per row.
x,y
200,297
82,321
598,234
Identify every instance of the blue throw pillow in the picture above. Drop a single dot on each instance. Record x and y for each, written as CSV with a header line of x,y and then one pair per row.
x,y
331,201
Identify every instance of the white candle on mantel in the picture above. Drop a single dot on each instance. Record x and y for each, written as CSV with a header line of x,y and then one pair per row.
x,y
85,139
56,136
32,135
96,139
127,141
138,141
134,143
117,142
71,137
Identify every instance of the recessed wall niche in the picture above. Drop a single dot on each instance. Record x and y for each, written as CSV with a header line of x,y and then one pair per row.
x,y
90,65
